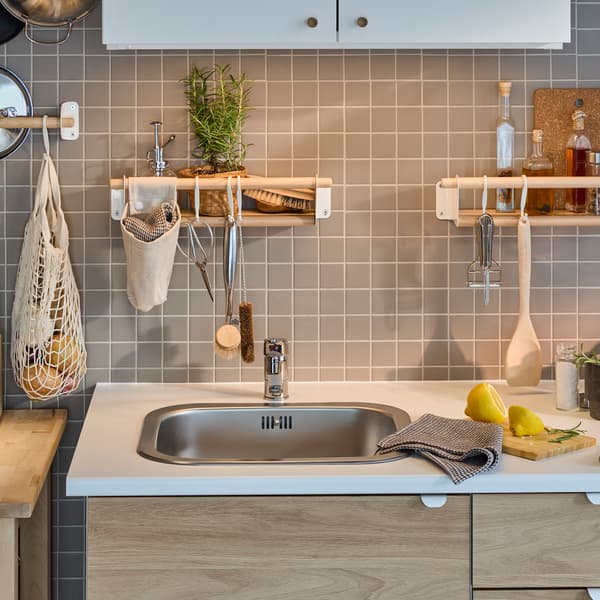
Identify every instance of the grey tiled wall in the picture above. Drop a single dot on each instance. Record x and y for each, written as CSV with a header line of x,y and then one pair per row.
x,y
376,292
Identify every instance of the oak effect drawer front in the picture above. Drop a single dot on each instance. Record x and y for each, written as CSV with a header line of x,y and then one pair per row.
x,y
270,548
535,541
531,595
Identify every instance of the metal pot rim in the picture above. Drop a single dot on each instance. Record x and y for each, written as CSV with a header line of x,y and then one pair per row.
x,y
46,22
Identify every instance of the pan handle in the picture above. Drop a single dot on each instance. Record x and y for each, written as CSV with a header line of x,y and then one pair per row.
x,y
29,36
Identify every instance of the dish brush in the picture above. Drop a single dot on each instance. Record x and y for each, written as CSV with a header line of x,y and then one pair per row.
x,y
227,337
300,199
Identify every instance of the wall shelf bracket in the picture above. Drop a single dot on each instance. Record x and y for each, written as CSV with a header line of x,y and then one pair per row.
x,y
446,203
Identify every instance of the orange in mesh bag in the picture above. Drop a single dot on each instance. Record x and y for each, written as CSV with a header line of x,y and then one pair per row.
x,y
47,347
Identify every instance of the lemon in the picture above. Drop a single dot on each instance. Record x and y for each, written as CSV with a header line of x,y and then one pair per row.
x,y
524,421
484,404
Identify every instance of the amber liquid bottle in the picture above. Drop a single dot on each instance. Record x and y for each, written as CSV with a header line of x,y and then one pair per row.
x,y
577,146
539,201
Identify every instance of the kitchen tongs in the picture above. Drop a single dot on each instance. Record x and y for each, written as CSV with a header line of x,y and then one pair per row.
x,y
484,272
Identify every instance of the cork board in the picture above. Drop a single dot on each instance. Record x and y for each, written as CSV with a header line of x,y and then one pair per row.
x,y
552,114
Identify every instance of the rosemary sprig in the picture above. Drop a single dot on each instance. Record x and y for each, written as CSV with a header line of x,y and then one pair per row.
x,y
567,434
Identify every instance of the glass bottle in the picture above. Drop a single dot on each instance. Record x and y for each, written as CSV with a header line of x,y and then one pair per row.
x,y
592,169
577,146
567,394
539,201
505,143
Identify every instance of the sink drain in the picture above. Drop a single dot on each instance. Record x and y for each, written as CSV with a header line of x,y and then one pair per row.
x,y
272,422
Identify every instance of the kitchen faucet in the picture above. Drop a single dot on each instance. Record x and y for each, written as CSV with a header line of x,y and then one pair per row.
x,y
158,164
276,357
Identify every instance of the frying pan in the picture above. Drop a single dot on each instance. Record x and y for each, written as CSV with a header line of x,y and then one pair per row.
x,y
9,26
49,13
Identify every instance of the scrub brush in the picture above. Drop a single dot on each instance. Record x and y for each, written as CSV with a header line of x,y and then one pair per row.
x,y
246,318
302,200
227,337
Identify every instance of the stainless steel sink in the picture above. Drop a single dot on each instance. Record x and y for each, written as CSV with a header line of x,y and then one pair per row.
x,y
254,433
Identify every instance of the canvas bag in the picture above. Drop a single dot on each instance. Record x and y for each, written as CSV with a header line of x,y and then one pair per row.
x,y
150,264
47,347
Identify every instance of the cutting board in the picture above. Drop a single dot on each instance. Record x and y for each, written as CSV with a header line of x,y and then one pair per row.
x,y
552,114
536,447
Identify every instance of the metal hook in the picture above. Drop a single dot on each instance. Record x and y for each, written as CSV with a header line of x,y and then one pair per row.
x,y
45,134
524,199
484,195
196,198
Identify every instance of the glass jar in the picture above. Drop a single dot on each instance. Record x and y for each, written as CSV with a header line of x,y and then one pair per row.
x,y
567,395
592,169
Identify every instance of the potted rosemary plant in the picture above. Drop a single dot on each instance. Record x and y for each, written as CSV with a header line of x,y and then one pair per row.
x,y
591,378
218,108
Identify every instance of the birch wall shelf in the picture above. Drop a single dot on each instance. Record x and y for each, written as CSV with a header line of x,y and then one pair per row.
x,y
447,201
321,186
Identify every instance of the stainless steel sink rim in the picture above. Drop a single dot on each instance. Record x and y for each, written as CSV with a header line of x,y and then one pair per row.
x,y
149,438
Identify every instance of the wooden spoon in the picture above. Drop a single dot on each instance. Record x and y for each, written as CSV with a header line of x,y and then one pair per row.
x,y
523,364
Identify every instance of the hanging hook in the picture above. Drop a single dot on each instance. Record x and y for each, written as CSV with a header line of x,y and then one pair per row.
x,y
484,195
524,199
45,134
238,195
196,199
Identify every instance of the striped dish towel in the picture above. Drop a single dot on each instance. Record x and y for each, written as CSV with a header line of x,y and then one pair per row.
x,y
461,448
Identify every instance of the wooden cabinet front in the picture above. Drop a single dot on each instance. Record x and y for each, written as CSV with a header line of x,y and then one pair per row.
x,y
535,541
568,594
262,548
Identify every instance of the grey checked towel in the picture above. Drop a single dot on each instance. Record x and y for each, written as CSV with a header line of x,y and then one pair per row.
x,y
461,448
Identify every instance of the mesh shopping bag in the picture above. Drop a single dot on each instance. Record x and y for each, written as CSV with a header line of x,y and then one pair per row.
x,y
47,347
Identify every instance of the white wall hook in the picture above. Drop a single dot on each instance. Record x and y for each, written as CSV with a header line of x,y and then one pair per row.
x,y
594,498
434,500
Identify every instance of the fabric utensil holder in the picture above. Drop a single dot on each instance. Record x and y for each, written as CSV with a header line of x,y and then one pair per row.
x,y
47,347
149,264
146,193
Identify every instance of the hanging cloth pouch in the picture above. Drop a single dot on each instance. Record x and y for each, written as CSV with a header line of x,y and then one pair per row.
x,y
47,347
150,246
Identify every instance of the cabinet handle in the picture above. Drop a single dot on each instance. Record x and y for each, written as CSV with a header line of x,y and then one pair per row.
x,y
434,500
593,498
312,22
362,21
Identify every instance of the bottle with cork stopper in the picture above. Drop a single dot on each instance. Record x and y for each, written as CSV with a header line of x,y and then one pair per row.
x,y
539,201
577,146
505,143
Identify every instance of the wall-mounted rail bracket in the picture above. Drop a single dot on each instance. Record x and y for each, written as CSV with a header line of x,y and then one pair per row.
x,y
594,593
446,203
593,498
69,110
322,203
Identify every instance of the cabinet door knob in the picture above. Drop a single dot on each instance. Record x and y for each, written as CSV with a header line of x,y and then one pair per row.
x,y
362,21
312,22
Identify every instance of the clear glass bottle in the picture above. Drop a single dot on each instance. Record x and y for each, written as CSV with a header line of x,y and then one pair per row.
x,y
577,146
505,144
592,169
539,201
567,379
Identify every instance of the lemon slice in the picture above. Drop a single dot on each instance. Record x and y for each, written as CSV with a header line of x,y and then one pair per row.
x,y
524,421
484,404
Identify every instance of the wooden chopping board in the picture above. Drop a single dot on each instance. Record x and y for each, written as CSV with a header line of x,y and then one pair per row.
x,y
539,446
552,113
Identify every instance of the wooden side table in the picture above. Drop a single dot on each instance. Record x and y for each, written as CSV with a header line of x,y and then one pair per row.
x,y
28,442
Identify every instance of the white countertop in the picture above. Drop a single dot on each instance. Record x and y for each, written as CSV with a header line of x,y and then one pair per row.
x,y
106,462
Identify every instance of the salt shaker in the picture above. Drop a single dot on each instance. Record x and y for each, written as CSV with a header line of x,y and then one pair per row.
x,y
567,396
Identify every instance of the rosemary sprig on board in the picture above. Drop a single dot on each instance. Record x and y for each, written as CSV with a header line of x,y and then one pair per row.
x,y
567,434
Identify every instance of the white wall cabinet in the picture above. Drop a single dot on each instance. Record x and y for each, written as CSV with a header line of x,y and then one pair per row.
x,y
145,24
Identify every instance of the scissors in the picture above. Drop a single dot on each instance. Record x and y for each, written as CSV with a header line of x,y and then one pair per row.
x,y
199,259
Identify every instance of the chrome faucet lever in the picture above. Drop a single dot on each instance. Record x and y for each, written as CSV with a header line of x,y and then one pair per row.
x,y
276,357
158,164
